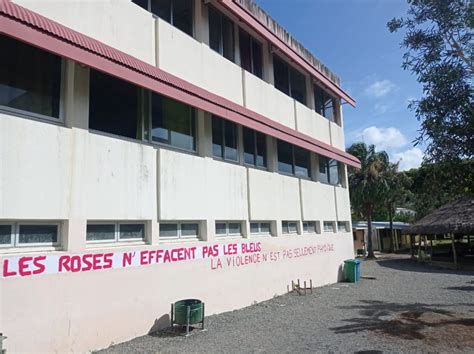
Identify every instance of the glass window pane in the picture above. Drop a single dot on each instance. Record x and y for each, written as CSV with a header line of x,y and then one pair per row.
x,y
30,78
265,228
230,131
254,227
292,228
183,15
100,232
217,137
189,230
141,3
168,230
228,38
328,107
284,226
221,228
319,101
113,106
38,234
234,228
285,157
261,150
249,146
173,123
162,9
333,172
257,58
280,72
309,227
132,231
323,169
328,226
5,234
245,50
302,162
342,226
215,30
298,86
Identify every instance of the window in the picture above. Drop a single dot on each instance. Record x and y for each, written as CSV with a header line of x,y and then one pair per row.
x,y
30,78
325,104
289,227
328,226
178,13
329,171
224,139
289,80
260,228
172,123
228,228
309,227
113,106
293,159
115,232
250,53
180,230
221,34
255,148
343,226
29,234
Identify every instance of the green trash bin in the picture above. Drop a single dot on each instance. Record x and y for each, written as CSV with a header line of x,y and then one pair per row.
x,y
187,312
352,270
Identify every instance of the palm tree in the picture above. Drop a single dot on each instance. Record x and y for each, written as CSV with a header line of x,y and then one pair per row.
x,y
368,185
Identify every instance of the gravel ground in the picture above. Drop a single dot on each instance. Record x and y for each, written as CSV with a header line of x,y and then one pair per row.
x,y
407,308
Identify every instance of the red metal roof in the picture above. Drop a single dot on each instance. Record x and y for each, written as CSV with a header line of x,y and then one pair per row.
x,y
32,28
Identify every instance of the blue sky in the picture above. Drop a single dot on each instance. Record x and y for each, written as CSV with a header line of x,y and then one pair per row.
x,y
351,38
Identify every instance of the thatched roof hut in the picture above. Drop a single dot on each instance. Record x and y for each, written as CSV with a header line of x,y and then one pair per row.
x,y
452,218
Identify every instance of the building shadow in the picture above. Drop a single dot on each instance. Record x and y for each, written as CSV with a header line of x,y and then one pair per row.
x,y
412,265
404,321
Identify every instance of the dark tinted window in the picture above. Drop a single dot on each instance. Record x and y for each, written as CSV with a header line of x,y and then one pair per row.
x,y
325,104
141,3
255,149
30,78
173,123
177,12
5,234
221,34
297,86
285,157
281,77
289,80
100,232
224,139
302,162
113,106
323,169
38,234
329,171
334,177
250,54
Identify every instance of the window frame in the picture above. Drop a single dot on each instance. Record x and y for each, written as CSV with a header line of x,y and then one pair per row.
x,y
117,238
38,116
251,53
327,167
260,232
223,145
293,165
255,149
227,228
327,230
222,17
179,231
289,70
310,232
345,225
193,26
15,234
288,232
335,115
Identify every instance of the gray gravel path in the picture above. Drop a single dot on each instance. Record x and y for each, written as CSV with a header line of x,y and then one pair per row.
x,y
407,308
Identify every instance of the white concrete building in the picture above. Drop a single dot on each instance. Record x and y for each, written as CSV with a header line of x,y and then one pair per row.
x,y
152,151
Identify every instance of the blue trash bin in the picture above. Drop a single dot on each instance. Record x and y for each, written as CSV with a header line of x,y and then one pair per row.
x,y
357,269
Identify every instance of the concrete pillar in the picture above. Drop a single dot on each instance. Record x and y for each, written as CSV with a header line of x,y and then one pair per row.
x,y
153,232
309,93
245,229
276,227
272,154
204,134
314,166
208,230
201,22
267,58
76,96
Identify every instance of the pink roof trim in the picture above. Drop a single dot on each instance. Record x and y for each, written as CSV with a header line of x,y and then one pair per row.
x,y
32,28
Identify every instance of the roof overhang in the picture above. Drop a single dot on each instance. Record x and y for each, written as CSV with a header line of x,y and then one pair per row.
x,y
242,13
39,31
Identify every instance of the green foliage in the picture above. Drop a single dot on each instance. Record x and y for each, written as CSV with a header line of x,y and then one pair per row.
x,y
437,184
405,217
440,52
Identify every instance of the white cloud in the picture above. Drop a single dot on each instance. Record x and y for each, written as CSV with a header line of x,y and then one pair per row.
x,y
380,88
380,108
383,138
410,158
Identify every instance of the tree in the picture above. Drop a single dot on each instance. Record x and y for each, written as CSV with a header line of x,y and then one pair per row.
x,y
440,53
368,185
398,193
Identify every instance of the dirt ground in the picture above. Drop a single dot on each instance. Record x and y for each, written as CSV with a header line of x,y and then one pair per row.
x,y
408,307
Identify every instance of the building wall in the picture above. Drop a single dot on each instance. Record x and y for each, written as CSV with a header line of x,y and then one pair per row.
x,y
64,172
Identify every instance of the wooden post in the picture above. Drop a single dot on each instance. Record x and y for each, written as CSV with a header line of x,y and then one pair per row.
x,y
431,246
412,248
419,248
455,258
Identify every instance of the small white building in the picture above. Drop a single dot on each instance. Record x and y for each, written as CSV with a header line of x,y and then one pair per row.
x,y
381,236
152,151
